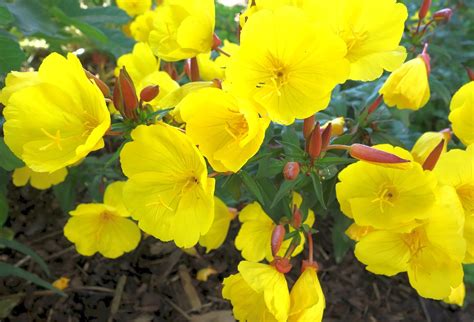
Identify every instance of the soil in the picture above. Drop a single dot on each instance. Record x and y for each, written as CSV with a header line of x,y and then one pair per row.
x,y
157,282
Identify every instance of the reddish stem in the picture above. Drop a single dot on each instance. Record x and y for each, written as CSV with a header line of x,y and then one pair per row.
x,y
310,247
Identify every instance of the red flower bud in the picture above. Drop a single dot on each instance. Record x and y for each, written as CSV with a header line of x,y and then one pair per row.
x,y
282,264
426,58
124,96
291,170
216,42
315,142
100,84
191,69
375,104
308,126
443,15
326,136
278,235
366,153
470,73
433,157
297,218
425,7
149,93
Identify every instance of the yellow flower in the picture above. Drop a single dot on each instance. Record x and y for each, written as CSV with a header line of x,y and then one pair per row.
x,y
183,29
230,131
462,113
371,29
307,298
143,68
386,198
62,283
356,232
337,126
287,65
168,190
211,69
407,87
38,180
214,238
59,120
457,295
134,7
258,293
142,25
103,228
431,253
426,143
456,169
254,237
16,81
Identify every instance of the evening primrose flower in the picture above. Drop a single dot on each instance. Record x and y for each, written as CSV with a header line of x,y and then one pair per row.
x,y
407,87
307,298
462,113
57,120
134,7
168,190
103,228
183,29
456,169
230,131
38,180
142,25
259,292
286,64
431,253
210,69
371,29
143,68
255,234
383,197
426,143
216,235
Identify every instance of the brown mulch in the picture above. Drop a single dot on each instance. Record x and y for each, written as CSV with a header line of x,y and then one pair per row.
x,y
157,281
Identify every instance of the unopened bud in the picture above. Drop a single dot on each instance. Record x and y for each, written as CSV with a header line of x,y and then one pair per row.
x,y
191,69
278,235
282,264
433,157
425,7
315,142
326,136
443,15
470,73
291,170
426,58
297,218
375,104
337,126
308,126
149,93
371,155
124,95
216,42
100,84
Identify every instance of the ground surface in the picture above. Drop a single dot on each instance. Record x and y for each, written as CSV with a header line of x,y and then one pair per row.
x,y
159,280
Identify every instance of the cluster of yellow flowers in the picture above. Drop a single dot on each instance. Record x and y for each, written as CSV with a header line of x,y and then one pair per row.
x,y
414,216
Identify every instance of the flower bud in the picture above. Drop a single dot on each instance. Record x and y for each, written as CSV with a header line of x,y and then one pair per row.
x,y
337,126
375,104
291,170
443,15
425,7
433,157
278,235
470,73
149,93
100,84
124,95
315,142
297,218
282,264
216,42
371,155
326,136
426,58
308,126
191,69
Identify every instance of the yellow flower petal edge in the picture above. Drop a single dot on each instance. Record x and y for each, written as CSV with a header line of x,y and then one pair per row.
x,y
462,113
216,235
168,190
38,180
307,298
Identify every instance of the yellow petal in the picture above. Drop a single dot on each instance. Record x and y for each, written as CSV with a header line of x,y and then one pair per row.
x,y
216,235
307,298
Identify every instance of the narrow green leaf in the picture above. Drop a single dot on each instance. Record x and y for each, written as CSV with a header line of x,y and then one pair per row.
x,y
3,209
8,160
13,244
341,243
6,17
334,160
285,188
10,270
318,189
469,274
253,186
8,304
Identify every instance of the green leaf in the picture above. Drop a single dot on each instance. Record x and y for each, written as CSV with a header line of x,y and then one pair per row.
x,y
269,168
341,243
8,160
469,274
11,55
318,189
334,160
65,192
3,209
8,304
6,17
253,186
10,270
32,18
13,244
285,188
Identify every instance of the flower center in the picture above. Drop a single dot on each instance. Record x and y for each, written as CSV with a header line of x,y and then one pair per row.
x,y
386,196
415,241
352,38
237,127
107,216
466,194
